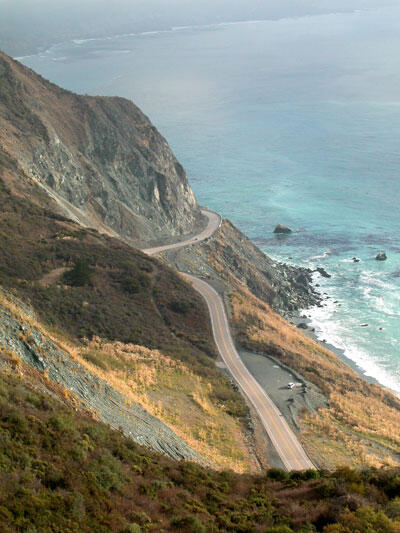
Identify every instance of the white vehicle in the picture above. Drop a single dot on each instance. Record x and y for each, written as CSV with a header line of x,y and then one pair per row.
x,y
290,385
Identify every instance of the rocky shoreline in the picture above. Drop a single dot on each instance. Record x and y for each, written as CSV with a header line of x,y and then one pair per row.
x,y
230,255
299,318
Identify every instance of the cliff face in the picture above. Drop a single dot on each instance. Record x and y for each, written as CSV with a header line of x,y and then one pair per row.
x,y
100,159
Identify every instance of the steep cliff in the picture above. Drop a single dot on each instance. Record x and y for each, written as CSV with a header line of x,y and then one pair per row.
x,y
100,159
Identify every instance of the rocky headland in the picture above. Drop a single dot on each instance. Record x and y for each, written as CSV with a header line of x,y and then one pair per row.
x,y
231,255
74,168
100,160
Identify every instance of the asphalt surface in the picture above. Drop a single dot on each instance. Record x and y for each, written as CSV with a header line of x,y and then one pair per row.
x,y
282,437
214,222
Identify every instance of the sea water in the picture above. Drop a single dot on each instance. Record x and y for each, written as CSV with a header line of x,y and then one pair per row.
x,y
293,121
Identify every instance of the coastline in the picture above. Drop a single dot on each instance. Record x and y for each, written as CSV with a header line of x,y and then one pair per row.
x,y
318,337
300,318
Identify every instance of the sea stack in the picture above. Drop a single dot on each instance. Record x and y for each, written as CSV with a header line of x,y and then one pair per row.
x,y
280,228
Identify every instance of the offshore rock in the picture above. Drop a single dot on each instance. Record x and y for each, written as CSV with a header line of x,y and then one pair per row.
x,y
323,272
381,256
280,228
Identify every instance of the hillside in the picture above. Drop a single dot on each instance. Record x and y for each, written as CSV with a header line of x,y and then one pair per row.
x,y
351,422
104,349
63,472
100,159
151,341
134,300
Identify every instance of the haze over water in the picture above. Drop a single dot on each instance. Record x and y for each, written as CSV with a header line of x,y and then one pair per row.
x,y
295,121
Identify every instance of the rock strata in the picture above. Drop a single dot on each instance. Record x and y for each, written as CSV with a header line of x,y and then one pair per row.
x,y
41,353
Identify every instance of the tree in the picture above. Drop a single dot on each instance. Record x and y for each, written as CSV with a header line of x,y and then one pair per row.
x,y
81,274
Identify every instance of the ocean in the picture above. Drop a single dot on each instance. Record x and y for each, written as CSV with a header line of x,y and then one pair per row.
x,y
293,121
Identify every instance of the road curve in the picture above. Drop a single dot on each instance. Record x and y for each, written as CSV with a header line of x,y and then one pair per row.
x,y
284,440
214,222
282,437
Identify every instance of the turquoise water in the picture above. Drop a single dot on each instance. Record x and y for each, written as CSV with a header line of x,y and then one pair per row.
x,y
295,121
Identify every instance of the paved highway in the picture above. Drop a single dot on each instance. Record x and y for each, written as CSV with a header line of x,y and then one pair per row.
x,y
284,440
214,222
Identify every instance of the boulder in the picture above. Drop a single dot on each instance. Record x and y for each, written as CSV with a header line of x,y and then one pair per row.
x,y
280,228
302,325
381,256
323,272
355,260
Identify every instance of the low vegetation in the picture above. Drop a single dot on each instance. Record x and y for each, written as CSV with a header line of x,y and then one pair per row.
x,y
361,426
62,472
202,411
84,285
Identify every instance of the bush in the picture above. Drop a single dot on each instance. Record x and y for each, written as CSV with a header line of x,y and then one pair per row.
x,y
81,274
277,474
132,528
179,306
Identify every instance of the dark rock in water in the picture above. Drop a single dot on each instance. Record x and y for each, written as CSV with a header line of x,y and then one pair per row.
x,y
381,256
355,260
364,325
280,228
302,325
323,272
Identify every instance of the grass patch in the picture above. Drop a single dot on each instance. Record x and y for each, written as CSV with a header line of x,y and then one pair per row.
x,y
201,411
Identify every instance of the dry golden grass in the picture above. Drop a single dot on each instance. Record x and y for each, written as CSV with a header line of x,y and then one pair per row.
x,y
361,424
166,387
169,390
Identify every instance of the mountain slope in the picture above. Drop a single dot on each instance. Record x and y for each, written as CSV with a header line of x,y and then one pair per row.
x,y
63,472
99,158
151,341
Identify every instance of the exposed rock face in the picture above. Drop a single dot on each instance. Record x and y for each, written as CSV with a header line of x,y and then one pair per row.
x,y
381,256
280,228
100,159
95,395
230,255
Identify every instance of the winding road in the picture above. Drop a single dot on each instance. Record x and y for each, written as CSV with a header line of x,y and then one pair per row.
x,y
282,437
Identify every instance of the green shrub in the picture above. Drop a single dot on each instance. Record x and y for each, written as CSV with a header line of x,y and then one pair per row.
x,y
81,274
132,528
